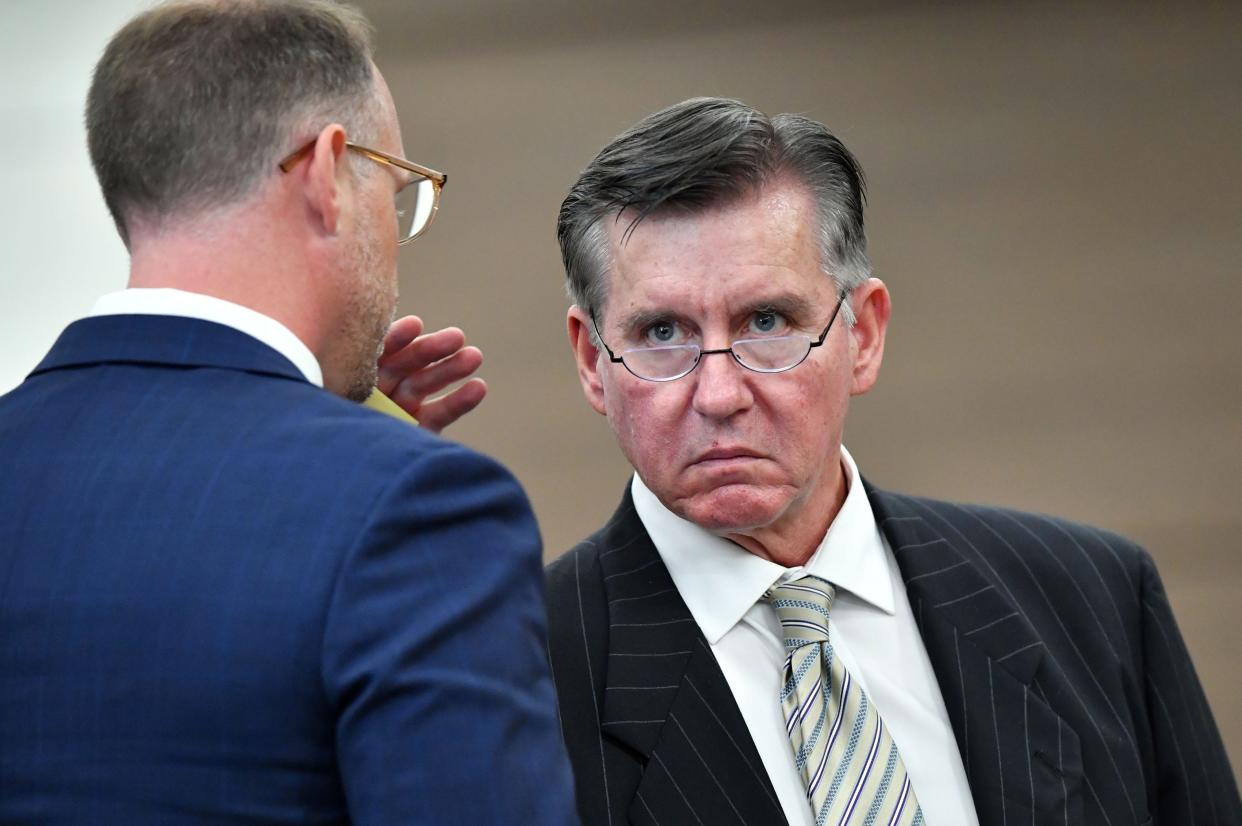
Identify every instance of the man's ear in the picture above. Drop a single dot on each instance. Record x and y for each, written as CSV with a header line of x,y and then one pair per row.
x,y
324,175
872,308
587,356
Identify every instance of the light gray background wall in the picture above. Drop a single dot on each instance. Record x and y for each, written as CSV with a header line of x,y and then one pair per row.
x,y
1055,206
60,249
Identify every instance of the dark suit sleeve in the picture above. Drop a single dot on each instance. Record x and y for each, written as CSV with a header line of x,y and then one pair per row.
x,y
434,655
1192,782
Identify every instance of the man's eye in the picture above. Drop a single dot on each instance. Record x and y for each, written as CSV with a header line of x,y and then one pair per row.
x,y
767,322
662,332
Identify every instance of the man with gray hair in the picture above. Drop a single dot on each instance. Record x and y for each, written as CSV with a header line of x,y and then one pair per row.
x,y
228,595
758,635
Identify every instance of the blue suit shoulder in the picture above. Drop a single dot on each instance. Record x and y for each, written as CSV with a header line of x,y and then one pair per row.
x,y
378,452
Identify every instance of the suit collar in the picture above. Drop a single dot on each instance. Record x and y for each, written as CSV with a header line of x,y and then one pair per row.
x,y
163,340
941,578
166,301
666,697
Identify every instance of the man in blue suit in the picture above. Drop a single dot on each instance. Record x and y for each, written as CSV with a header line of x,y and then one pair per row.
x,y
226,594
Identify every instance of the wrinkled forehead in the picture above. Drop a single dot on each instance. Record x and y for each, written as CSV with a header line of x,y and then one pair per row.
x,y
762,246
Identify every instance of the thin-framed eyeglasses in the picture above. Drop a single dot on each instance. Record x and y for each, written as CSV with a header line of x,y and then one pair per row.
x,y
774,354
416,202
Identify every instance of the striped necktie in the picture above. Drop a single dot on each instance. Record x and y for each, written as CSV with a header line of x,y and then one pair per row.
x,y
847,758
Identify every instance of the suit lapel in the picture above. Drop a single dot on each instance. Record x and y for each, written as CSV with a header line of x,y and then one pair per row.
x,y
1021,759
666,698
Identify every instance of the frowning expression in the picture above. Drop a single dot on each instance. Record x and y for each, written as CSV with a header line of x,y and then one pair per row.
x,y
734,451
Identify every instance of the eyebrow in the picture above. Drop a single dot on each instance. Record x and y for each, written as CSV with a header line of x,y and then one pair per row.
x,y
789,304
640,319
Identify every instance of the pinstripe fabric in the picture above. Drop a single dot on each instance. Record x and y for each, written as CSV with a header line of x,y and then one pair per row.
x,y
653,731
848,760
1053,643
1070,691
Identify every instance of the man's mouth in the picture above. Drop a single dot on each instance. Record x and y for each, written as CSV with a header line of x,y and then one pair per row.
x,y
724,455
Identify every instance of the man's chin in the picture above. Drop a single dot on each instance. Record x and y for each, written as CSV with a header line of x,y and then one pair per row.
x,y
362,382
737,508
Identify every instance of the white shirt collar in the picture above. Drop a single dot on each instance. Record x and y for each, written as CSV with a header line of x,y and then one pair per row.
x,y
167,301
720,581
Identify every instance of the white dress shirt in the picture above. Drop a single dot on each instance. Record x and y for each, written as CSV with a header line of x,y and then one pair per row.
x,y
167,301
872,629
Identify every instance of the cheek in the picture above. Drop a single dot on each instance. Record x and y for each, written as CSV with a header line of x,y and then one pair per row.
x,y
811,429
644,421
387,238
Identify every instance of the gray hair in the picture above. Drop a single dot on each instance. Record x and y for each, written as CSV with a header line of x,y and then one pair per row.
x,y
195,102
702,153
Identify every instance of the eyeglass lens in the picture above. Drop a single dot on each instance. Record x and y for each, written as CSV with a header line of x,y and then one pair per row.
x,y
416,205
765,355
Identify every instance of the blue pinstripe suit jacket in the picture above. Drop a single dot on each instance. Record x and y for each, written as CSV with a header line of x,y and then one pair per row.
x,y
227,596
1069,689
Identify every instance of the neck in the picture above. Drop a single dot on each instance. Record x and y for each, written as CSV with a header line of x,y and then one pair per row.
x,y
792,539
239,258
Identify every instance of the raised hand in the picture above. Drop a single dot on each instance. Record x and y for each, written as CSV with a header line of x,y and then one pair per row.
x,y
414,366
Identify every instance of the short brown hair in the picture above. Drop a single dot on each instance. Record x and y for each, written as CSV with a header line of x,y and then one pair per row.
x,y
194,102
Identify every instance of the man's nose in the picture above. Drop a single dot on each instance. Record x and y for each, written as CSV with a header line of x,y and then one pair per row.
x,y
722,386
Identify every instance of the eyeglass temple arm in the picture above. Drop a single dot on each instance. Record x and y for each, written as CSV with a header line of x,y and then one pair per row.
x,y
840,300
293,158
615,359
438,178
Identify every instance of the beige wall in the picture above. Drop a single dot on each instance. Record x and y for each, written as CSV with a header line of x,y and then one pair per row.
x,y
1055,206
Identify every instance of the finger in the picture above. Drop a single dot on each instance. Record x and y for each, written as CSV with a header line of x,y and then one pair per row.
x,y
434,378
410,361
442,412
401,332
424,350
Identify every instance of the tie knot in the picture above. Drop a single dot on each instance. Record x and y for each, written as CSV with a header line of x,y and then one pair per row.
x,y
803,606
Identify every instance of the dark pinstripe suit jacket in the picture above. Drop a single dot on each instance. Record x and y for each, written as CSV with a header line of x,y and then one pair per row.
x,y
1067,683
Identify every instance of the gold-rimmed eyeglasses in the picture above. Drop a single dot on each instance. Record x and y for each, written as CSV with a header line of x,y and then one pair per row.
x,y
416,202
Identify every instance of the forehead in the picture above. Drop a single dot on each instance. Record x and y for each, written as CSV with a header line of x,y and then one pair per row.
x,y
764,245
